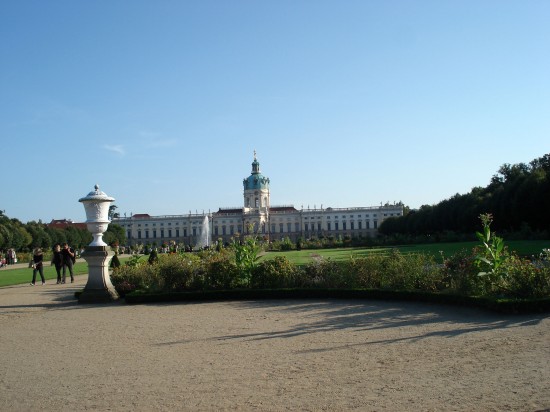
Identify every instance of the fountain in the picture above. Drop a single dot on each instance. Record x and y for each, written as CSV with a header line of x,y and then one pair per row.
x,y
204,234
99,287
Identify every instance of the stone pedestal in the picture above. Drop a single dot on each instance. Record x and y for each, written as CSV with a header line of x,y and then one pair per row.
x,y
99,287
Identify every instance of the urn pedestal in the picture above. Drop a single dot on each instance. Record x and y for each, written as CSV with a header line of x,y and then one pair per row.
x,y
99,287
97,254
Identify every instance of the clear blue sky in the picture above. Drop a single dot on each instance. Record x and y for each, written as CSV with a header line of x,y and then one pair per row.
x,y
348,103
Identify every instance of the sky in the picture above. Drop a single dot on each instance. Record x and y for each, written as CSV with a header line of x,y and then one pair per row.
x,y
347,103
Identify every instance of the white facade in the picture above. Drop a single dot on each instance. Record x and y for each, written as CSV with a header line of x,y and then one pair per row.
x,y
258,216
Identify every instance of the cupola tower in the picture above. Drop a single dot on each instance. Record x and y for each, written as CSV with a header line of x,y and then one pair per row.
x,y
256,197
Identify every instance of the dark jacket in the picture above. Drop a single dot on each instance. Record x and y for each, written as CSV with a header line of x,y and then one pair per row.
x,y
57,258
38,259
67,258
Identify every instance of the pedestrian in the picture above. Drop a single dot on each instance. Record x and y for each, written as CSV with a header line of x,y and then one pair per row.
x,y
11,256
37,265
57,261
68,260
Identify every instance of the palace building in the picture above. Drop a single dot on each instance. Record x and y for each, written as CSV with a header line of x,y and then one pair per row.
x,y
256,216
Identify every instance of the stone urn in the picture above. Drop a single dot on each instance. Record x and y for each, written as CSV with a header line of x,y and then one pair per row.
x,y
97,254
96,205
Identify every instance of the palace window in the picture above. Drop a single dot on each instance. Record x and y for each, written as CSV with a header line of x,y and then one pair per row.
x,y
280,228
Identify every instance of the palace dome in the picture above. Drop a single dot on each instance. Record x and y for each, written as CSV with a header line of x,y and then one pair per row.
x,y
256,180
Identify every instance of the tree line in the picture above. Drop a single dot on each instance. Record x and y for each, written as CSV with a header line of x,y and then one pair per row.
x,y
23,237
518,197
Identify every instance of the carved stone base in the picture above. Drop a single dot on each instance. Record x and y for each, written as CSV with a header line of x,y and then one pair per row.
x,y
99,288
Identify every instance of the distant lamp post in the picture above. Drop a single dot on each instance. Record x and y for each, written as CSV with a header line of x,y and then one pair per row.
x,y
99,287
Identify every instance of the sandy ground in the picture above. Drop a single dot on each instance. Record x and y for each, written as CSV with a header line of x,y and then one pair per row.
x,y
333,355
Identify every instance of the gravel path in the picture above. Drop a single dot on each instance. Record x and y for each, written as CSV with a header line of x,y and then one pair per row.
x,y
326,355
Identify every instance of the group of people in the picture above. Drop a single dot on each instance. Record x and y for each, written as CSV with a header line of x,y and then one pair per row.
x,y
63,259
9,258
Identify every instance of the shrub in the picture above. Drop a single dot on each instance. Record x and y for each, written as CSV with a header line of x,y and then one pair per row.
x,y
177,272
127,278
367,270
461,273
220,272
326,273
274,273
524,279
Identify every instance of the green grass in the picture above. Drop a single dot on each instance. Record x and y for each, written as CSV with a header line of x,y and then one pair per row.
x,y
302,257
10,277
18,276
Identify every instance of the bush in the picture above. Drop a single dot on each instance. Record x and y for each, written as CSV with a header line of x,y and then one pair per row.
x,y
221,271
127,278
325,273
523,279
461,273
274,273
176,272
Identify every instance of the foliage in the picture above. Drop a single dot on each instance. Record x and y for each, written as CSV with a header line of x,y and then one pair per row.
x,y
246,257
115,262
220,271
493,253
153,257
177,272
460,272
524,279
507,275
130,277
114,235
274,273
518,196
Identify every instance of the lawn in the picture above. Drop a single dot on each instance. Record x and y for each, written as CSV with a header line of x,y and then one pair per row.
x,y
19,276
24,275
523,248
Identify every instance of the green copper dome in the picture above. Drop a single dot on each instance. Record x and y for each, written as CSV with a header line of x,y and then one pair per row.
x,y
256,180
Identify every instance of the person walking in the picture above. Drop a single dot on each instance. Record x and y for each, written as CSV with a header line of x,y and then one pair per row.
x,y
37,265
11,256
57,261
68,260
